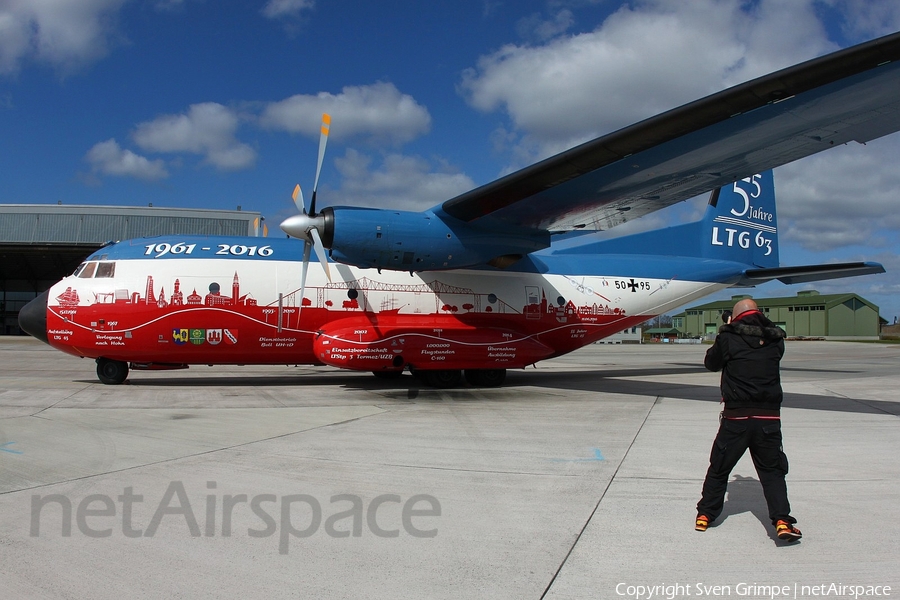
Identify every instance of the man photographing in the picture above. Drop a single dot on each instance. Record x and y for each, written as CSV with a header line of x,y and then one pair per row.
x,y
748,351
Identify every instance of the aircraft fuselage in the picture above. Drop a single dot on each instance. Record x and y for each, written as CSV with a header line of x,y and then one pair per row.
x,y
173,301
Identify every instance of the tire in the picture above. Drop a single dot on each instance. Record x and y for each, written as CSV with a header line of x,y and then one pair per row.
x,y
485,377
445,378
387,374
111,372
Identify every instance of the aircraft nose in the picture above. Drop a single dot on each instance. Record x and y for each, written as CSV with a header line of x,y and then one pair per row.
x,y
33,317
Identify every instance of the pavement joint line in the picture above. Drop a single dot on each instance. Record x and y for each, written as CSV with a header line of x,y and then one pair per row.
x,y
172,460
58,401
600,500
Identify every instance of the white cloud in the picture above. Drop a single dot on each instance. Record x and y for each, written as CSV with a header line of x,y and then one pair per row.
x,y
645,58
865,19
109,158
207,129
69,34
276,9
378,111
846,196
402,182
539,29
65,34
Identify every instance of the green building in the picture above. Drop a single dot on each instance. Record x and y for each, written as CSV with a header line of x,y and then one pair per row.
x,y
808,314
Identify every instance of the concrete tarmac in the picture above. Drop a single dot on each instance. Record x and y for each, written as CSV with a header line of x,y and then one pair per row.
x,y
577,479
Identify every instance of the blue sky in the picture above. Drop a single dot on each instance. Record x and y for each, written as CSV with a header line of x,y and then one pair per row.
x,y
216,103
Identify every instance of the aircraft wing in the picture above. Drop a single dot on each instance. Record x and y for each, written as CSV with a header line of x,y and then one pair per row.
x,y
790,275
849,95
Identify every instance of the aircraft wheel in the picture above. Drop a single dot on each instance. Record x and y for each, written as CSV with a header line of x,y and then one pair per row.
x,y
387,374
485,377
447,378
111,372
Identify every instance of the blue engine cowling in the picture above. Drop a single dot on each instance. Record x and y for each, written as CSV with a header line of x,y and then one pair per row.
x,y
417,241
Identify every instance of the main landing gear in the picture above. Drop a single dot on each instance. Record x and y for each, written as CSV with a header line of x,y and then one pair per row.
x,y
451,378
111,372
485,377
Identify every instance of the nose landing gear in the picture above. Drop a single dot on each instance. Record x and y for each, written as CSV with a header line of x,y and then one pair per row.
x,y
111,372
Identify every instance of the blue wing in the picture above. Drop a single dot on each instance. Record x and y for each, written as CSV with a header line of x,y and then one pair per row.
x,y
850,95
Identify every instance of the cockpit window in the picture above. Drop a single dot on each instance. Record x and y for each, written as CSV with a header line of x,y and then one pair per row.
x,y
106,269
87,271
78,269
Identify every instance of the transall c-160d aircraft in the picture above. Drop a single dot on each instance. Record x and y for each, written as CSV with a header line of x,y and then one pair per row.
x,y
501,277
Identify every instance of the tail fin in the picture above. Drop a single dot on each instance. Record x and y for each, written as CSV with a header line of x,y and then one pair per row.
x,y
739,226
740,223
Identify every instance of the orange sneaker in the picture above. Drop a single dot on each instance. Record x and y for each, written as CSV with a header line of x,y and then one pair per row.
x,y
787,532
702,523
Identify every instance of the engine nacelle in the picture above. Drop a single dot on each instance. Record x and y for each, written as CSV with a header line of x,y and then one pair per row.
x,y
417,241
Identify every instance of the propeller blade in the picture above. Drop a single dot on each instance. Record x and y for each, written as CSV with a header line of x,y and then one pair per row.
x,y
303,270
320,251
323,141
298,199
304,225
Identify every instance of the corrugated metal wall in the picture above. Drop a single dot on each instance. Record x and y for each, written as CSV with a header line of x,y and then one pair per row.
x,y
41,227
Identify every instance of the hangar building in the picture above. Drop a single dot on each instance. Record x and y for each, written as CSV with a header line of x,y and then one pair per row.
x,y
808,314
42,243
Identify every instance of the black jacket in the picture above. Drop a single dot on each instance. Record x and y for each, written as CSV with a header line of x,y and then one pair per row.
x,y
748,352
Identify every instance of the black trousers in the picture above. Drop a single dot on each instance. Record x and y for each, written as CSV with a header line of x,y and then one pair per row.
x,y
763,438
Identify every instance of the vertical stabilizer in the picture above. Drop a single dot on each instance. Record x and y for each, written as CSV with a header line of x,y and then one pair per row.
x,y
740,223
739,226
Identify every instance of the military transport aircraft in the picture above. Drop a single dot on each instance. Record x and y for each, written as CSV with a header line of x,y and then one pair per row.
x,y
501,277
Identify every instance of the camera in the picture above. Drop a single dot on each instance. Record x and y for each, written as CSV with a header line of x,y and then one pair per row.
x,y
726,314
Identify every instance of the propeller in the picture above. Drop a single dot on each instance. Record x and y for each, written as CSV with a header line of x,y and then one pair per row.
x,y
306,225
